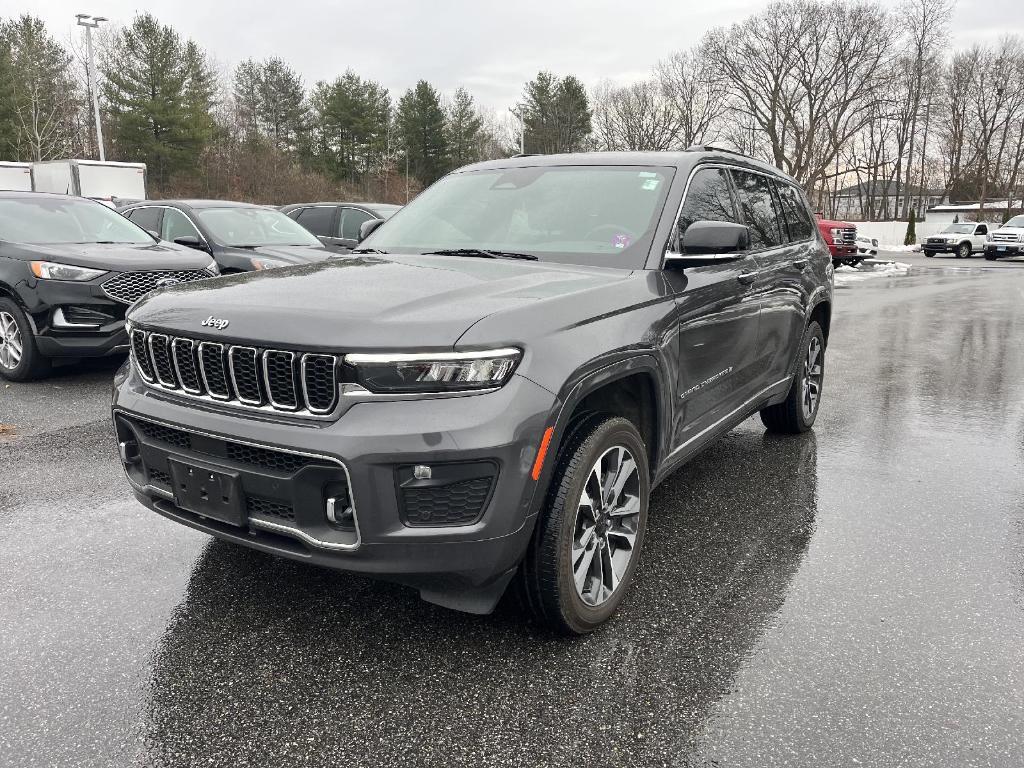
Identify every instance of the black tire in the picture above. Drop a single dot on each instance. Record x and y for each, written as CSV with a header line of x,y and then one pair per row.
x,y
990,257
928,255
546,580
963,251
790,416
855,262
32,364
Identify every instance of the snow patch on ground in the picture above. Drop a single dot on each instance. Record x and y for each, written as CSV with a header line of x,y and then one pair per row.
x,y
871,268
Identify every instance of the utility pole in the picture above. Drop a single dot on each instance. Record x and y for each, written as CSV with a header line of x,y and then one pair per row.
x,y
90,23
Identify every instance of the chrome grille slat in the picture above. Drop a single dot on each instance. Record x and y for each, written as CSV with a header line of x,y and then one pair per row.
x,y
279,373
242,362
184,356
241,376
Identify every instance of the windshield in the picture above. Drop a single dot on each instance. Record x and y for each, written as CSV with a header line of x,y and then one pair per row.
x,y
960,229
1016,221
54,221
252,227
600,215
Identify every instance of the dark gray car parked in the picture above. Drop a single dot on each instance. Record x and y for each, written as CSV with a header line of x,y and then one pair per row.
x,y
490,387
241,237
337,224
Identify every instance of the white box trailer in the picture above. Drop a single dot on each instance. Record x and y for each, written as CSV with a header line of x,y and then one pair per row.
x,y
110,183
16,177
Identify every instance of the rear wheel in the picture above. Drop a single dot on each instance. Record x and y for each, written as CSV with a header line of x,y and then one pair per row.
x,y
588,538
798,411
19,358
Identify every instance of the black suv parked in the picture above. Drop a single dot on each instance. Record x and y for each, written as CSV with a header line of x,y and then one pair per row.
x,y
491,386
337,224
69,268
240,236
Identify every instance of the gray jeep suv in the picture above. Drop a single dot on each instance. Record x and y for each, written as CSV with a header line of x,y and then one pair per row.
x,y
486,392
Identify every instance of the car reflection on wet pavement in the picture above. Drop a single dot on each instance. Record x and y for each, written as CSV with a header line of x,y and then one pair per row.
x,y
853,595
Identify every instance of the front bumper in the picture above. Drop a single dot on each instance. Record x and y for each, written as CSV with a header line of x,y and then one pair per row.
x,y
56,309
1004,249
940,247
843,253
369,448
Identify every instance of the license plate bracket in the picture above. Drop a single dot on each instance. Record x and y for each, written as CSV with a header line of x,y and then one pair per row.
x,y
1000,247
208,491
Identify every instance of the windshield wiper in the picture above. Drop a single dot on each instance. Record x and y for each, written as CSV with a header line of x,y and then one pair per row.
x,y
369,250
482,253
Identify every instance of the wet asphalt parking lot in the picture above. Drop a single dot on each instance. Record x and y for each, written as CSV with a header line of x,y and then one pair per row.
x,y
853,596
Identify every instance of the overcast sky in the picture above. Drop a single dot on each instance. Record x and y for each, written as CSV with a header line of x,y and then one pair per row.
x,y
491,48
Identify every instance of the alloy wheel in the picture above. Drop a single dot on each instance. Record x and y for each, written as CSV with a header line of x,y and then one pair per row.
x,y
812,376
605,531
11,348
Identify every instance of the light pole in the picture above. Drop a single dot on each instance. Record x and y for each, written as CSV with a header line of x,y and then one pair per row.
x,y
90,23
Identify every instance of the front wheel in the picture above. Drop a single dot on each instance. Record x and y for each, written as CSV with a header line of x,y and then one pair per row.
x,y
19,358
963,251
588,538
990,257
798,411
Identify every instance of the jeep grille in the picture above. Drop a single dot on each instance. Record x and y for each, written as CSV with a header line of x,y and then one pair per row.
x,y
250,377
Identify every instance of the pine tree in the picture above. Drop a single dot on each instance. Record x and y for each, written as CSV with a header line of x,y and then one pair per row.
x,y
420,121
911,236
350,127
246,92
463,130
38,95
159,89
556,114
282,104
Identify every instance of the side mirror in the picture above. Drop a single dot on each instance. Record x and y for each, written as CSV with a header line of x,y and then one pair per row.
x,y
711,242
191,241
367,228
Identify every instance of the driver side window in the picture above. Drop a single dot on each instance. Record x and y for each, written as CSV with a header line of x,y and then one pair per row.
x,y
177,224
708,198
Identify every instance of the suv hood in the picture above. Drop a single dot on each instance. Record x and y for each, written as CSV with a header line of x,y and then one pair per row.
x,y
291,254
115,257
368,302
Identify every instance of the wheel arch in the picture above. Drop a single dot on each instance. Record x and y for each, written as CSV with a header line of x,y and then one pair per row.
x,y
633,388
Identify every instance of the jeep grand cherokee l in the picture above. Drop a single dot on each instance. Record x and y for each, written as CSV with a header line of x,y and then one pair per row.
x,y
488,389
69,268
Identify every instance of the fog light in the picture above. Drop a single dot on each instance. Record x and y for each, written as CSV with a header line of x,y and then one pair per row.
x,y
421,472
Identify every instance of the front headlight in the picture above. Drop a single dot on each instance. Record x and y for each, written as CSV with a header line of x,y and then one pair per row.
x,y
429,372
265,263
47,270
837,234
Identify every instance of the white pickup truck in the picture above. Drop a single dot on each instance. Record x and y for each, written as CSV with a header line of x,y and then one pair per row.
x,y
961,239
1008,240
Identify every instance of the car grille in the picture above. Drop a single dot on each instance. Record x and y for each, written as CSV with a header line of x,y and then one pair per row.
x,y
129,287
937,240
1005,237
850,235
279,380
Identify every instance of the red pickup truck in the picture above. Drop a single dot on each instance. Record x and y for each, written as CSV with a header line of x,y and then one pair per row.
x,y
841,238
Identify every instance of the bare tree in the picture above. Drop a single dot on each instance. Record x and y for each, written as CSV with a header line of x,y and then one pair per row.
x,y
797,73
697,91
634,117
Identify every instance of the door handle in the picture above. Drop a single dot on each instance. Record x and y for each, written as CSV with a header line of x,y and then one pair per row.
x,y
747,277
800,264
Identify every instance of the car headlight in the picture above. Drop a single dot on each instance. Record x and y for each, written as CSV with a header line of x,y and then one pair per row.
x,y
428,372
837,234
47,270
265,263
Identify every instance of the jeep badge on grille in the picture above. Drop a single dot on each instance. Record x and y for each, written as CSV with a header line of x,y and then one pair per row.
x,y
215,322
